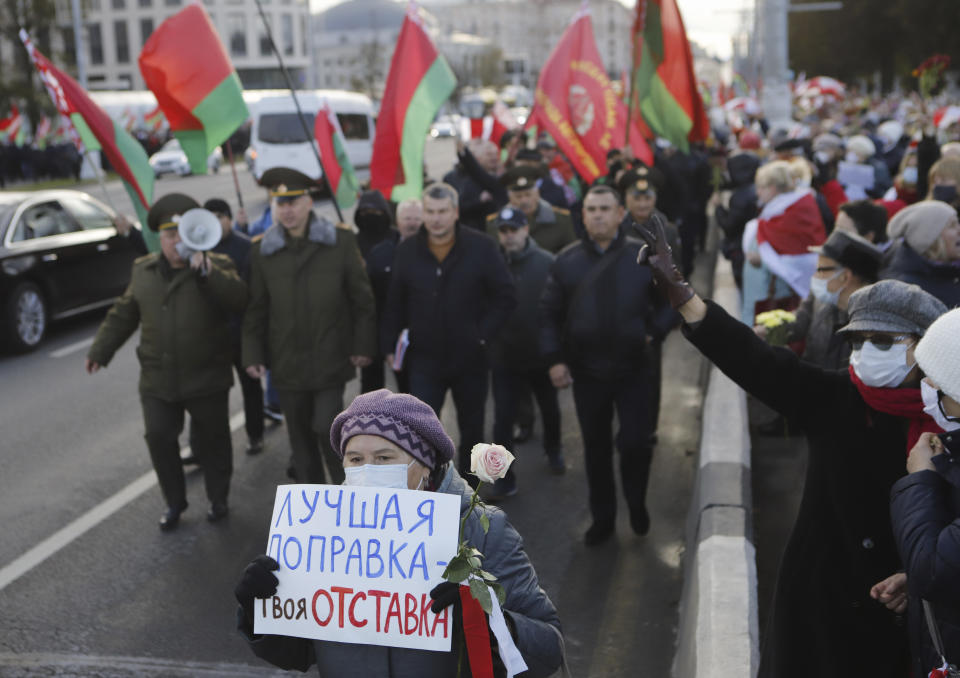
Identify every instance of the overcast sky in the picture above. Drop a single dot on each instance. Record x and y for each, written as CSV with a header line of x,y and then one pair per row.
x,y
708,22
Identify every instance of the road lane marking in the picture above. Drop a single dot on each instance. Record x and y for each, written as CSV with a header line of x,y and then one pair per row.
x,y
71,348
76,529
137,665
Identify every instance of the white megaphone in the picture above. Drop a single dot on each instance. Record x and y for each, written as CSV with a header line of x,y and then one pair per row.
x,y
199,229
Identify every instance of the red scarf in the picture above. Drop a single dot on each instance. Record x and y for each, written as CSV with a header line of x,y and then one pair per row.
x,y
900,402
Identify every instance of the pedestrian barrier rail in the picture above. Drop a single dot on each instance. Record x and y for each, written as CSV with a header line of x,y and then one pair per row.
x,y
718,635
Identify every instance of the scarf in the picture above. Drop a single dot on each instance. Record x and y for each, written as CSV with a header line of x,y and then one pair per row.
x,y
900,402
791,223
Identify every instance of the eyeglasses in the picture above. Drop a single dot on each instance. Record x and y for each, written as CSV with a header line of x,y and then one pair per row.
x,y
883,342
954,420
827,269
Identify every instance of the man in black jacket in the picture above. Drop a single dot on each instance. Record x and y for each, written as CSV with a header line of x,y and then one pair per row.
x,y
452,291
597,308
236,245
517,364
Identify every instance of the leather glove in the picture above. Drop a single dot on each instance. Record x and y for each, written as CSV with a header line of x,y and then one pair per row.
x,y
258,581
656,254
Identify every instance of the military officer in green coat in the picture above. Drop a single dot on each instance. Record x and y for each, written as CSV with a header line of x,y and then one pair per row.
x,y
182,306
311,319
550,227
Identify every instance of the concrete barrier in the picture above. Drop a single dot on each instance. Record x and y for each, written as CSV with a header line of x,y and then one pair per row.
x,y
718,635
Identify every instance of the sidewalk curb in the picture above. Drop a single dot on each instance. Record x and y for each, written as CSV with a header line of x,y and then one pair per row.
x,y
718,635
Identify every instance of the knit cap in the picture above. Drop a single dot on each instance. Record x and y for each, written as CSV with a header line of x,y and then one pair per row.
x,y
398,417
921,223
938,353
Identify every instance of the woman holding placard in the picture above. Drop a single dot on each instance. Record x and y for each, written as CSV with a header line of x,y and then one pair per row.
x,y
389,440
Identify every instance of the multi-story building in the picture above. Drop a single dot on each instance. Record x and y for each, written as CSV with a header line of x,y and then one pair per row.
x,y
353,44
115,31
526,31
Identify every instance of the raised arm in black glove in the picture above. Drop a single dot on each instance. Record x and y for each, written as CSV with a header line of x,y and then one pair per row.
x,y
656,254
258,581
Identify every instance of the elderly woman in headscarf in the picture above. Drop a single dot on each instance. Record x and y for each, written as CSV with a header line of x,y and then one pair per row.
x,y
391,440
928,253
925,505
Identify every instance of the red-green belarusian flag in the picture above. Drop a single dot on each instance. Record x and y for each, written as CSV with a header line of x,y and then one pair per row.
x,y
339,172
186,67
418,83
97,132
665,91
154,120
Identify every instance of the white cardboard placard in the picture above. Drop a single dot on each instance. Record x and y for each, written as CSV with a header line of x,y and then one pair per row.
x,y
357,565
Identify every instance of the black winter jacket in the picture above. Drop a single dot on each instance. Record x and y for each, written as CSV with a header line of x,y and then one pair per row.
x,y
602,329
452,309
518,344
939,279
823,621
743,198
925,507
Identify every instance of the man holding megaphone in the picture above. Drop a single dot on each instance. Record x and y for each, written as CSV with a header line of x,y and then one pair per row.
x,y
181,298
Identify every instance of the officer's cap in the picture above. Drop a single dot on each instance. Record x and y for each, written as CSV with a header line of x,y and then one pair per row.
x,y
161,214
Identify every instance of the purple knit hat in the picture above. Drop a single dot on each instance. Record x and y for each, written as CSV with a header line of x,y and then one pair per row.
x,y
398,417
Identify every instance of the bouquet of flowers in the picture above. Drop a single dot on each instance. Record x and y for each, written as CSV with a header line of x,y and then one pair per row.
x,y
929,74
777,323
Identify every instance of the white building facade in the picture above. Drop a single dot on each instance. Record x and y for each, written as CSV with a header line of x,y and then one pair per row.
x,y
116,31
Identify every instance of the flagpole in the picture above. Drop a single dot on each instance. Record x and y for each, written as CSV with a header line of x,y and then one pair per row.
x,y
303,120
99,172
233,168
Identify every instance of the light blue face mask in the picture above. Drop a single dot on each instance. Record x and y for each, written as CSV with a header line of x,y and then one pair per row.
x,y
379,475
910,175
818,288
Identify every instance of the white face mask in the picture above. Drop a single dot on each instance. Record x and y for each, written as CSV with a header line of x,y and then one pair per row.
x,y
184,251
910,175
932,407
823,157
379,475
852,158
818,288
881,369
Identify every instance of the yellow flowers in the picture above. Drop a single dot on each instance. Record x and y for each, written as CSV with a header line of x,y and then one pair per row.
x,y
777,324
775,318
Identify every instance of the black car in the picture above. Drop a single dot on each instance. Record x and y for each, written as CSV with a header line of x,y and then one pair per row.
x,y
60,255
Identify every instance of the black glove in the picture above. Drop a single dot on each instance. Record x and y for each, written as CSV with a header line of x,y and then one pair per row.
x,y
656,254
258,581
444,595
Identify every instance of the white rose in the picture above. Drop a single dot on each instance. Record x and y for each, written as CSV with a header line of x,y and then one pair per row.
x,y
490,462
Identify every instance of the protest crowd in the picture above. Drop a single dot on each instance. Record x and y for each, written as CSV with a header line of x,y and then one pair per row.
x,y
517,274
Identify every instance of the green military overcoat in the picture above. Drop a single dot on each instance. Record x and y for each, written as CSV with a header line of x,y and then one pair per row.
x,y
185,349
311,307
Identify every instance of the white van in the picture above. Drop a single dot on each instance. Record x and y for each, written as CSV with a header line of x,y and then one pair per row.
x,y
277,138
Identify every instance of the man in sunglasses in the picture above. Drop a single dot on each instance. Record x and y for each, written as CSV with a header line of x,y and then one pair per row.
x,y
838,604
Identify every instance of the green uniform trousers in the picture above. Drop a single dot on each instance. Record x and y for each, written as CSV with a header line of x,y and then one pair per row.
x,y
210,430
308,416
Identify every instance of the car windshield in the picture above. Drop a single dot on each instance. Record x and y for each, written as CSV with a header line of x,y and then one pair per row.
x,y
7,208
283,128
172,145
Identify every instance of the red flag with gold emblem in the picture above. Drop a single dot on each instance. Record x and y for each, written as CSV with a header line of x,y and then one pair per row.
x,y
577,104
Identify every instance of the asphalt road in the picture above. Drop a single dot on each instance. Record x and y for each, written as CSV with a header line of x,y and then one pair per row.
x,y
90,587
